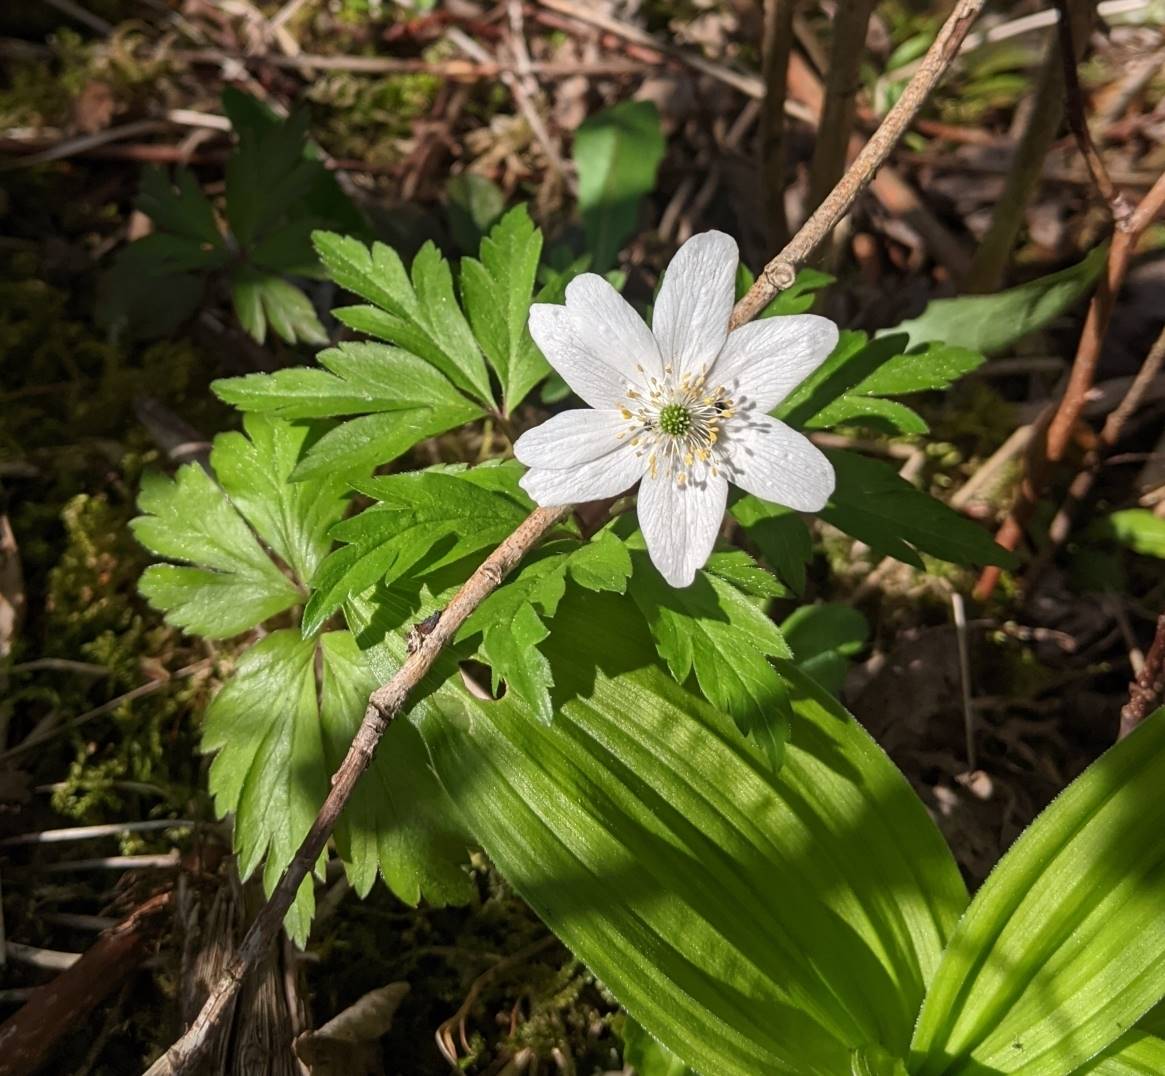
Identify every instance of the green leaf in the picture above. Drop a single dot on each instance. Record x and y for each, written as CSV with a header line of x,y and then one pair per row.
x,y
475,204
992,323
400,398
420,314
235,585
780,534
873,504
603,563
617,153
269,768
1137,528
824,637
849,385
497,292
753,922
1063,948
647,1056
398,818
1135,1053
293,518
714,630
179,207
261,299
427,519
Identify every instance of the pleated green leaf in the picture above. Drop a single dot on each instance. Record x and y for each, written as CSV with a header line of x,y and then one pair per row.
x,y
1136,1053
752,922
1063,948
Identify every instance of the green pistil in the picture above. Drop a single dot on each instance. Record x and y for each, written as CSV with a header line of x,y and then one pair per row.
x,y
675,420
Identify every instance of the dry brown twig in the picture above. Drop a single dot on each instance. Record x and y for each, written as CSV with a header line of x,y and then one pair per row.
x,y
1129,226
388,700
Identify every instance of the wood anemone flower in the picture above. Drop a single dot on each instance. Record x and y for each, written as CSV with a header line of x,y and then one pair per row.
x,y
680,407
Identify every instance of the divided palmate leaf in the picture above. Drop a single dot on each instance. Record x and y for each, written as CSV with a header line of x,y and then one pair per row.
x,y
400,398
1063,948
419,313
262,299
496,291
424,521
779,533
720,631
510,621
751,921
851,385
875,505
228,583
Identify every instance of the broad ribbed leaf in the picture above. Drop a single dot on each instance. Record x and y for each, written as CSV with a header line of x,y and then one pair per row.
x,y
1063,948
752,923
1136,1053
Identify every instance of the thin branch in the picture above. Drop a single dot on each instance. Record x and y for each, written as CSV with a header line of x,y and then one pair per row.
x,y
782,270
1118,204
1148,687
388,700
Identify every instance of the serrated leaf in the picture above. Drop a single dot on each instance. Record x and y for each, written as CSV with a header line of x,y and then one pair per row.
x,y
427,519
873,504
1063,948
824,637
179,206
617,153
603,563
849,385
234,586
261,299
269,768
420,313
992,323
497,293
713,630
398,818
293,518
738,568
686,875
780,534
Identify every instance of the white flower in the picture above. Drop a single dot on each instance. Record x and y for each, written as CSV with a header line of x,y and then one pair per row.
x,y
681,406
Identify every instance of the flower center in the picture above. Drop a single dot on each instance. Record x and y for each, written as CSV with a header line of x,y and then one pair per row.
x,y
675,420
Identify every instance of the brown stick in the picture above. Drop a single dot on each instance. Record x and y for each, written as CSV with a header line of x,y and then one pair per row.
x,y
31,1033
386,702
1148,687
778,44
781,271
842,83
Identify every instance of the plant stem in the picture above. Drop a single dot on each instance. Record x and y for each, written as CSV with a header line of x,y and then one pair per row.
x,y
778,42
782,270
842,83
1148,687
387,701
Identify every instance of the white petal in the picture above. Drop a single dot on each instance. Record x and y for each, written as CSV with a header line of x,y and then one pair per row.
x,y
570,438
608,327
680,524
764,361
695,302
596,382
606,476
767,458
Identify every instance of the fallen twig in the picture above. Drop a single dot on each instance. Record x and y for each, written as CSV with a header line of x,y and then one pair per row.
x,y
388,700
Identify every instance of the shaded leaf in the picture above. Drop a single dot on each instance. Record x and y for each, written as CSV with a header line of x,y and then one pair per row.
x,y
261,299
779,533
475,204
823,638
617,153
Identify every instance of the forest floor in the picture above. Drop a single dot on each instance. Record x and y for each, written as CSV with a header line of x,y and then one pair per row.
x,y
100,700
